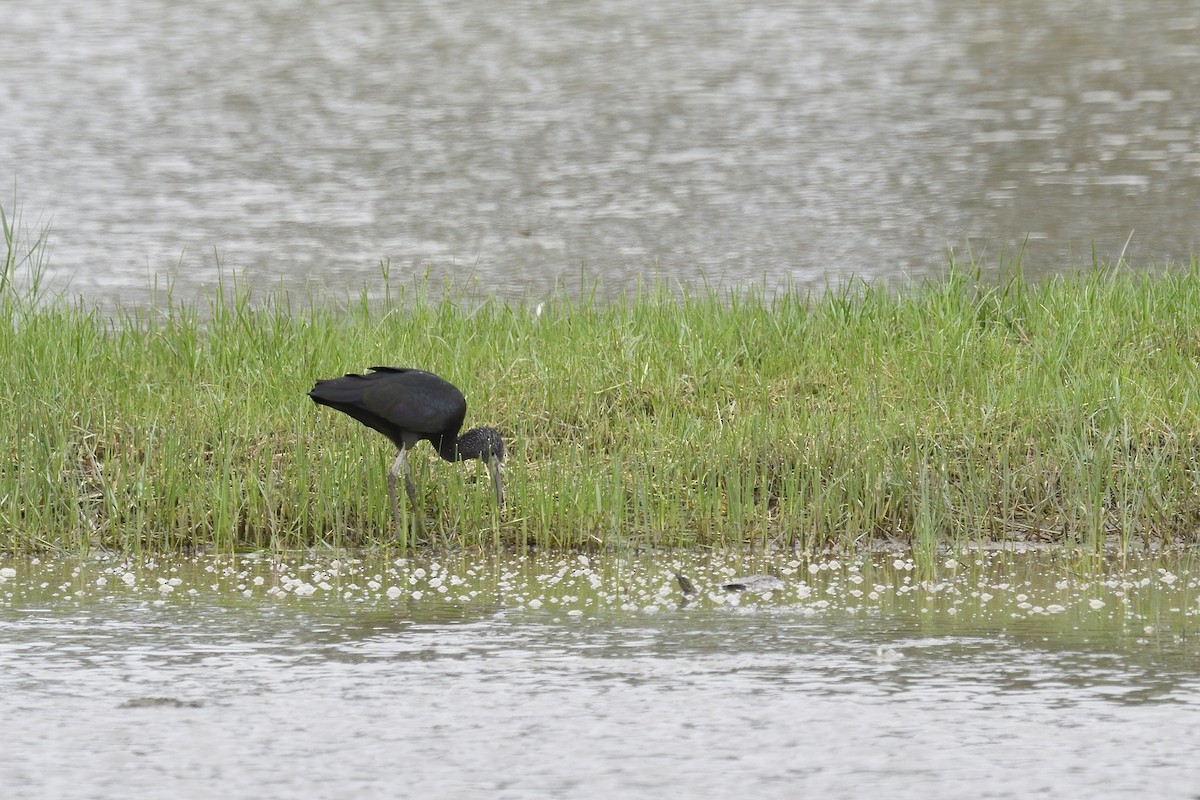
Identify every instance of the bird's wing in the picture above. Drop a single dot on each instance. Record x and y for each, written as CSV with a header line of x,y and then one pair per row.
x,y
415,401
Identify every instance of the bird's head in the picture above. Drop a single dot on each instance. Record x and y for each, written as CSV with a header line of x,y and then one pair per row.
x,y
487,445
493,449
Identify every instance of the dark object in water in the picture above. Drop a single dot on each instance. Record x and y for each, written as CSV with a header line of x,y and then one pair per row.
x,y
160,702
744,583
753,583
685,584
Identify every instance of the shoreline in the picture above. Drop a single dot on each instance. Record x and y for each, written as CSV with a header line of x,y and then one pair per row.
x,y
953,411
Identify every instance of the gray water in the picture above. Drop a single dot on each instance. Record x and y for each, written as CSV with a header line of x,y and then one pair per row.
x,y
539,144
986,676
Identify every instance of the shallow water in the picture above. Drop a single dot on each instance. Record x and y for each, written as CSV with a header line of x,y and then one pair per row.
x,y
994,675
534,145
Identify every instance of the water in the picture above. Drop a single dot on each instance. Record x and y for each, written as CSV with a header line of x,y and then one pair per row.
x,y
532,144
994,675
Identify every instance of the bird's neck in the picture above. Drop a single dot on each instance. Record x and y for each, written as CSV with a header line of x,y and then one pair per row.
x,y
448,448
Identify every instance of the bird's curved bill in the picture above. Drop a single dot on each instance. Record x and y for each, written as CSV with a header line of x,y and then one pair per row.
x,y
496,468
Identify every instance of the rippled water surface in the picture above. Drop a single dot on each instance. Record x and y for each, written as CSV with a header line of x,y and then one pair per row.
x,y
984,675
534,144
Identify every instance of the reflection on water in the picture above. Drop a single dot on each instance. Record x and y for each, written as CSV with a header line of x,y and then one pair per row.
x,y
532,143
582,677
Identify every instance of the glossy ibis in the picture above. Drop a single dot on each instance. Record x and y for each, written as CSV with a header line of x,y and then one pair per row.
x,y
408,405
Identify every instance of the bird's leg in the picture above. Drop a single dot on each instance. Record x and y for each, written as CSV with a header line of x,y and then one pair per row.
x,y
418,512
400,459
401,462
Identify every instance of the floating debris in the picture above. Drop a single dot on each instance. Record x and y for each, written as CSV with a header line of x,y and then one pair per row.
x,y
753,583
760,584
887,655
159,702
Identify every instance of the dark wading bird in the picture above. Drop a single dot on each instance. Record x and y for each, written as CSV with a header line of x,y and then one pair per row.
x,y
408,405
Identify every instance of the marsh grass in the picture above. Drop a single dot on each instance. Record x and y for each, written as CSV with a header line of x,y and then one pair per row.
x,y
952,411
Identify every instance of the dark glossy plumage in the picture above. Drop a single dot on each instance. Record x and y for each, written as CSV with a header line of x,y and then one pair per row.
x,y
408,405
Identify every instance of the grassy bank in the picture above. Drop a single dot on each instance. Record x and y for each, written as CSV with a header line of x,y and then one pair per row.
x,y
954,410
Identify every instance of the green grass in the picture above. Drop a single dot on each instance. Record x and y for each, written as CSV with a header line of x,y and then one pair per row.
x,y
951,411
